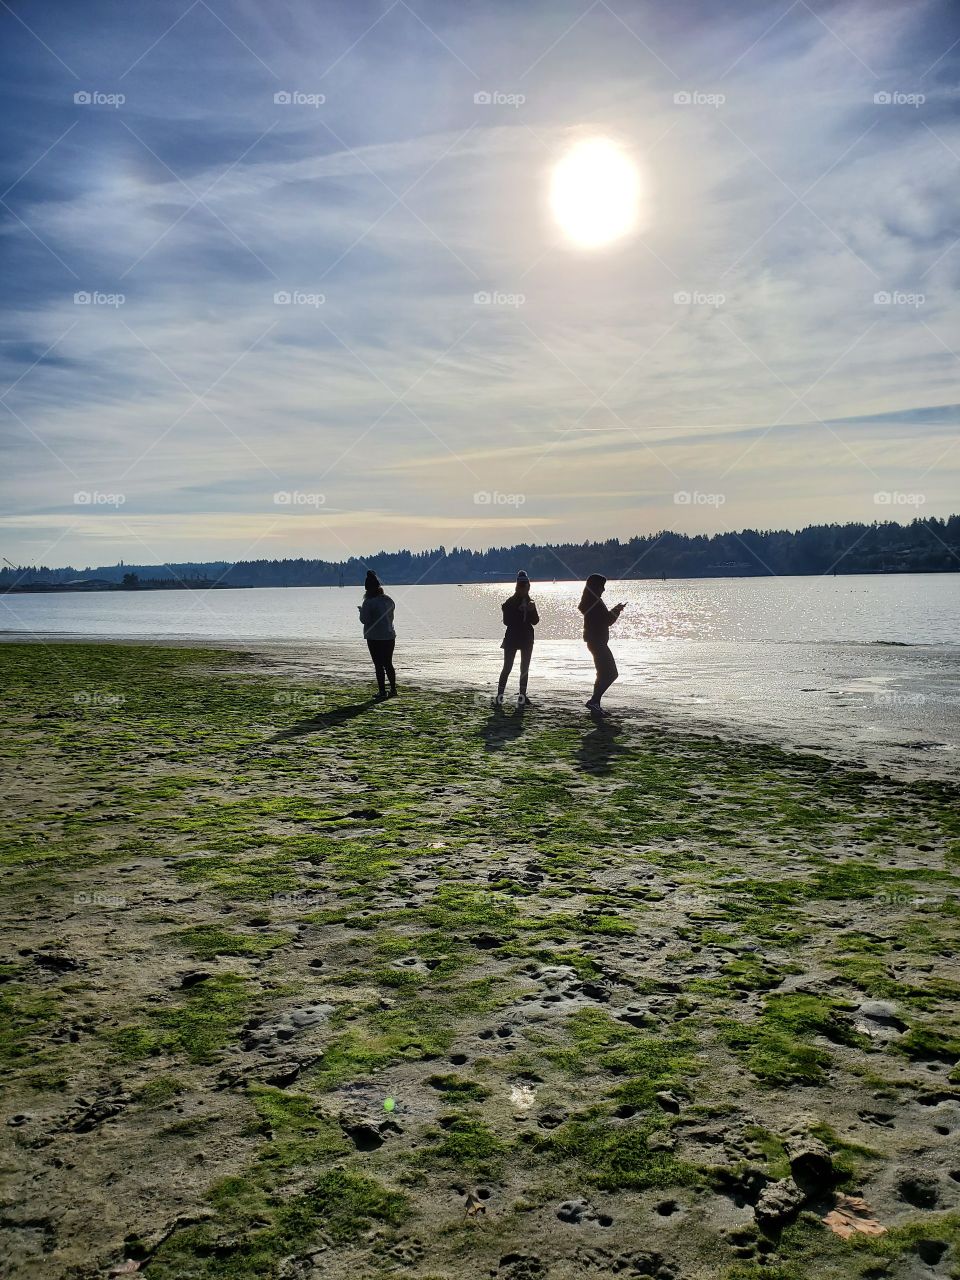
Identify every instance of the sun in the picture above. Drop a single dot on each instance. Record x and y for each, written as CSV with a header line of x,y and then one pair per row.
x,y
595,193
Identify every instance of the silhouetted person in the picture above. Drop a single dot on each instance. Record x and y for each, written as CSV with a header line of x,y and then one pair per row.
x,y
519,617
376,614
597,620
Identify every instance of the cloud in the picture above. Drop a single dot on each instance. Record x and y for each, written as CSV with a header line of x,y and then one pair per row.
x,y
711,349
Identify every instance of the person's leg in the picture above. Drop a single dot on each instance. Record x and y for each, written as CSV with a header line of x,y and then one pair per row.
x,y
592,702
526,653
388,648
376,655
508,657
606,672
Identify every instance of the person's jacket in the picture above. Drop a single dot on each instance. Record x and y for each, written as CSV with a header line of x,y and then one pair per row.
x,y
376,614
596,623
519,617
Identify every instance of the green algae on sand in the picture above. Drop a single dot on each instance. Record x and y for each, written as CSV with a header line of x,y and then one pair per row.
x,y
239,923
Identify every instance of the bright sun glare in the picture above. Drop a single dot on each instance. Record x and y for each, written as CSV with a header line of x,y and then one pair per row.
x,y
594,193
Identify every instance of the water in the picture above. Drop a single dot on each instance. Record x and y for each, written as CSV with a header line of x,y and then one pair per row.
x,y
868,609
866,666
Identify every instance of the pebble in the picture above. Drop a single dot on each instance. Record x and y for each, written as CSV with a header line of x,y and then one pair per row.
x,y
778,1203
879,1011
572,1210
668,1101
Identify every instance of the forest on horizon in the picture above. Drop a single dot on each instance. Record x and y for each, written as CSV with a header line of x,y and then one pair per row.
x,y
922,546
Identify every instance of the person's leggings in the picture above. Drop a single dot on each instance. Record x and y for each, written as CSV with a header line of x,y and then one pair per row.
x,y
607,671
381,651
526,652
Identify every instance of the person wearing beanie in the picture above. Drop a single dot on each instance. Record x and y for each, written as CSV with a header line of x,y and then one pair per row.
x,y
597,620
519,617
376,617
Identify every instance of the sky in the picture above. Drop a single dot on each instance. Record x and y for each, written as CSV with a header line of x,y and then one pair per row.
x,y
284,279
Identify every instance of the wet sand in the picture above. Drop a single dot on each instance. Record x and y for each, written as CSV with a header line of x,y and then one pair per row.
x,y
890,708
300,985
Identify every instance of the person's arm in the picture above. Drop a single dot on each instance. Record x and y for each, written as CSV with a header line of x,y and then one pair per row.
x,y
614,613
365,612
532,616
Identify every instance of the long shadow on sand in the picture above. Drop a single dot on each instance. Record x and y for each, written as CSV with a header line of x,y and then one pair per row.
x,y
500,730
599,748
326,720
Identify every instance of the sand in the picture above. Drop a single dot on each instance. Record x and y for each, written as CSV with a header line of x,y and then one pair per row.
x,y
298,984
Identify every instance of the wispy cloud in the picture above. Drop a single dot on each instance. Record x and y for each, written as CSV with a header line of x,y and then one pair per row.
x,y
783,327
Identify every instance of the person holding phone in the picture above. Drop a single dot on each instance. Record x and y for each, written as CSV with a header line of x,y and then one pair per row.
x,y
519,617
597,620
376,617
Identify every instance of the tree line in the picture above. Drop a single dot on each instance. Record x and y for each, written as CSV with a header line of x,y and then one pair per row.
x,y
922,546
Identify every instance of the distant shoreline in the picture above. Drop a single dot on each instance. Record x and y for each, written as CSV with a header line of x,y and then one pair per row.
x,y
86,589
930,545
45,588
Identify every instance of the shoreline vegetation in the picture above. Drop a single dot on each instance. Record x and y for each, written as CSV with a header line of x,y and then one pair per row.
x,y
87,585
922,546
298,985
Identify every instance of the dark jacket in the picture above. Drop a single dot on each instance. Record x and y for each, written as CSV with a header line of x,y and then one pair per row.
x,y
596,623
519,617
376,614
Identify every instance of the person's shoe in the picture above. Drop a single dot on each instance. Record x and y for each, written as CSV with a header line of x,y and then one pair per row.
x,y
524,701
393,691
381,696
595,707
498,700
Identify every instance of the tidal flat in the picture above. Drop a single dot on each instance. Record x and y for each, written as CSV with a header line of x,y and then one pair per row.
x,y
296,984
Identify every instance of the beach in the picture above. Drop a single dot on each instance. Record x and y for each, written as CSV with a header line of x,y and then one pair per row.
x,y
299,985
864,669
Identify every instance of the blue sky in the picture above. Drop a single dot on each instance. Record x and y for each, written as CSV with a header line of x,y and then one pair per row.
x,y
775,343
